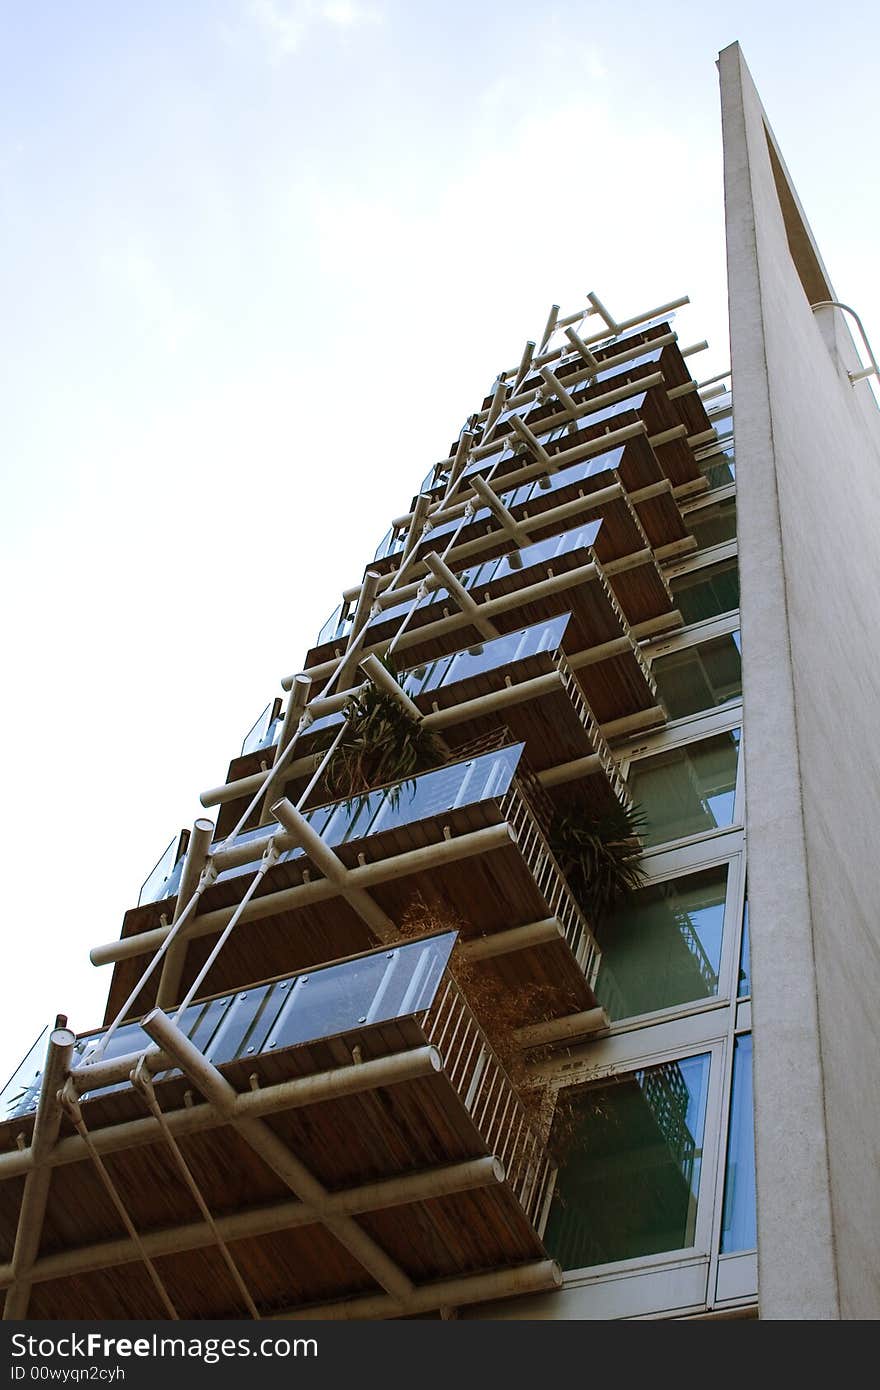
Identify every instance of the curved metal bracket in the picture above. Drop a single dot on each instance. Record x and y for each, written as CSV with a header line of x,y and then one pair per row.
x,y
873,370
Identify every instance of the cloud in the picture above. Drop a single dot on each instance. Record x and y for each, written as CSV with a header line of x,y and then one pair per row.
x,y
160,311
285,24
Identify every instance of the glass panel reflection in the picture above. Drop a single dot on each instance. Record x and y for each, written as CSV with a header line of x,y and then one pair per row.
x,y
629,1182
19,1095
485,656
664,947
699,677
429,794
711,525
689,790
706,593
745,964
315,1004
738,1225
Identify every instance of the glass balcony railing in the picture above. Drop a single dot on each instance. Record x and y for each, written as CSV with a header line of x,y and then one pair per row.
x,y
162,880
430,794
317,1003
485,656
492,571
337,625
19,1095
263,733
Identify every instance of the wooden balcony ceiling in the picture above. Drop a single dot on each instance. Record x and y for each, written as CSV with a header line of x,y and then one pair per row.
x,y
407,1128
614,688
484,894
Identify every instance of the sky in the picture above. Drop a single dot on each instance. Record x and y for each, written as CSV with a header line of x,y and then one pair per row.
x,y
261,258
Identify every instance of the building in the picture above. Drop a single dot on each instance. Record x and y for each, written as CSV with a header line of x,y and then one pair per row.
x,y
414,1071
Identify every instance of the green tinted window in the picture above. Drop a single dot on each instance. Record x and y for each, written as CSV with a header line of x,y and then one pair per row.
x,y
706,593
713,524
631,1152
688,790
664,947
700,677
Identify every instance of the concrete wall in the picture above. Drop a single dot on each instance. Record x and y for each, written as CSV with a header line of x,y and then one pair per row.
x,y
808,475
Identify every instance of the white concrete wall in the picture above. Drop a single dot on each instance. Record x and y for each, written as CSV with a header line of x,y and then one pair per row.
x,y
808,475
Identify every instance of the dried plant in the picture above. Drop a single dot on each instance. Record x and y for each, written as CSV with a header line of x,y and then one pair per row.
x,y
382,744
600,853
500,1009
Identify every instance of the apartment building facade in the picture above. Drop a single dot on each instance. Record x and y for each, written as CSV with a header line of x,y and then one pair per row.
x,y
371,1049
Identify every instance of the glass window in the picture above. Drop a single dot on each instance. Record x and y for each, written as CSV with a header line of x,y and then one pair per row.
x,y
688,790
699,677
745,964
708,592
664,947
738,1226
718,468
630,1175
714,523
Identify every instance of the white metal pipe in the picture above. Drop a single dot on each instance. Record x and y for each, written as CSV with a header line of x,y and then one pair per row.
x,y
536,1277
694,348
515,599
416,526
525,363
501,943
332,867
592,362
508,522
459,847
549,327
498,400
599,308
467,1176
515,694
471,610
194,863
193,867
265,1100
633,723
296,705
47,1121
382,678
47,1124
561,1029
459,462
557,389
667,436
521,428
274,1152
687,388
571,772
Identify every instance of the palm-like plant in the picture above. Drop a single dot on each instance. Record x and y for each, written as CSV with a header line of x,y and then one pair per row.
x,y
600,853
382,743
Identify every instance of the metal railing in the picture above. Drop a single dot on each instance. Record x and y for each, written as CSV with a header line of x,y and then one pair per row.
x,y
490,1098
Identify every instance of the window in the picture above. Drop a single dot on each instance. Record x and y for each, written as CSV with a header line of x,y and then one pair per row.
x,y
708,592
718,468
688,790
745,965
630,1175
738,1225
713,524
664,947
699,677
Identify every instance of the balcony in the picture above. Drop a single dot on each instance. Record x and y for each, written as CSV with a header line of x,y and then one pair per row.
x,y
521,682
531,585
466,840
368,1156
589,490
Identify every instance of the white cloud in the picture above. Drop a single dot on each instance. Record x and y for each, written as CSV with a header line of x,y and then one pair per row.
x,y
286,23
